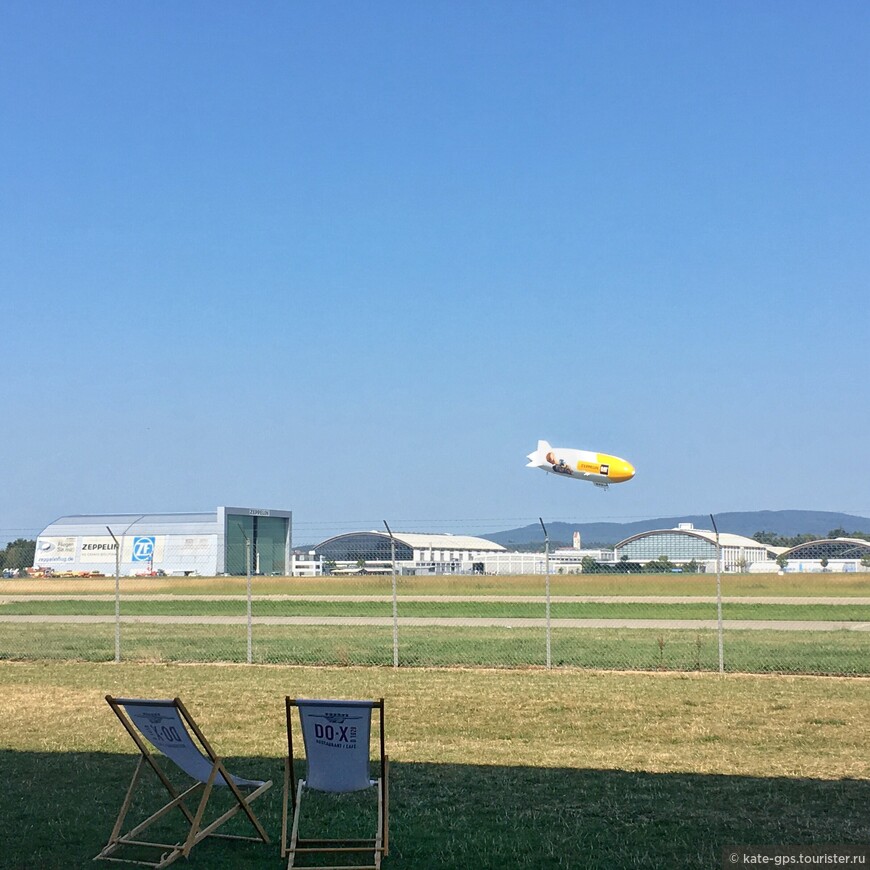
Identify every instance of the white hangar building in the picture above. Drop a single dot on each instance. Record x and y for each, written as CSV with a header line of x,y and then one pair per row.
x,y
183,544
686,544
422,554
415,553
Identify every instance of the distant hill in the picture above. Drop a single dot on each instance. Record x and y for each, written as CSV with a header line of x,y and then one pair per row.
x,y
747,523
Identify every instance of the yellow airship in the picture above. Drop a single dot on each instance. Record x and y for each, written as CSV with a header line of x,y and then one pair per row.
x,y
598,468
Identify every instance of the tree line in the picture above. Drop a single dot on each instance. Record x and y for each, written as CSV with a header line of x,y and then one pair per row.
x,y
18,554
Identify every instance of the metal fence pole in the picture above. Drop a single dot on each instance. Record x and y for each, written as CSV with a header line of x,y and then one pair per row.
x,y
248,559
395,598
250,634
250,653
547,589
118,584
719,597
117,596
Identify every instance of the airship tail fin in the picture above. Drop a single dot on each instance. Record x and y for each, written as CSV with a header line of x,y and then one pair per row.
x,y
536,458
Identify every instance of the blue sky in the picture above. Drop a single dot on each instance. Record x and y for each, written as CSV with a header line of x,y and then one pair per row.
x,y
354,259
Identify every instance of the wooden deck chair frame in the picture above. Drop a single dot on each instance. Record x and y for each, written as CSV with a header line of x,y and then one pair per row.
x,y
218,776
378,845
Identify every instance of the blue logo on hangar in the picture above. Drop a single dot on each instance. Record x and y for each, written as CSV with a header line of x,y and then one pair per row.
x,y
143,549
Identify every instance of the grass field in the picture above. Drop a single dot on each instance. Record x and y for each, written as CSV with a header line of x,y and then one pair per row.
x,y
476,608
836,653
491,769
340,638
808,585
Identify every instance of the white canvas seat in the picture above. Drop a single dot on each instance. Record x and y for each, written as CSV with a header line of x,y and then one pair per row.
x,y
166,726
337,738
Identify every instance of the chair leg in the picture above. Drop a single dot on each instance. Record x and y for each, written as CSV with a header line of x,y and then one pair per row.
x,y
294,834
284,803
117,839
379,837
197,819
375,846
125,808
195,834
212,826
386,805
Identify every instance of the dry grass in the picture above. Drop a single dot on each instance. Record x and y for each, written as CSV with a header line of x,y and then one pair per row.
x,y
833,584
757,726
528,769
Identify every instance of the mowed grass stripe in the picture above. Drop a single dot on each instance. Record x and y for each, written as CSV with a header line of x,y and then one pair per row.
x,y
799,652
500,609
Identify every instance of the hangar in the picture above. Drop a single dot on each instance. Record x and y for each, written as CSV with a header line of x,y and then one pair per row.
x,y
830,548
420,553
177,544
686,543
829,554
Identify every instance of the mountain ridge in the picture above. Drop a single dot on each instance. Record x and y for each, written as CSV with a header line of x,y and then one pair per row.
x,y
747,523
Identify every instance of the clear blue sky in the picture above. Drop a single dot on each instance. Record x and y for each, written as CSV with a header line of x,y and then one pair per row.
x,y
354,259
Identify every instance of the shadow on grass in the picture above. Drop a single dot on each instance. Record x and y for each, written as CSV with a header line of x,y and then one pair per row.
x,y
57,809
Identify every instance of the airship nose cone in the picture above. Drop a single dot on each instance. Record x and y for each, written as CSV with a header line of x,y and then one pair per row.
x,y
624,471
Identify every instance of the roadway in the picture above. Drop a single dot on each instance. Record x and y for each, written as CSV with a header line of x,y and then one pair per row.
x,y
451,621
520,599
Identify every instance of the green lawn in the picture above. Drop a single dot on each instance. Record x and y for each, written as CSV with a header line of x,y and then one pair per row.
x,y
478,608
491,769
812,652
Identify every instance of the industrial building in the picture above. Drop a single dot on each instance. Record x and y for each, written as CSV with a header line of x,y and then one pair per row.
x,y
226,541
425,554
829,554
687,544
414,553
232,540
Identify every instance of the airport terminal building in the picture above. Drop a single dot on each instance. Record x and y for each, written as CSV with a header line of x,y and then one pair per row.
x,y
182,544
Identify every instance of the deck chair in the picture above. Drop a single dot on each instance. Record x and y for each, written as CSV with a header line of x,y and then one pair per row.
x,y
337,749
164,725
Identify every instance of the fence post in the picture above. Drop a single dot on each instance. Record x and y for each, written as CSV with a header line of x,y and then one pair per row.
x,y
118,585
547,588
719,597
250,651
395,599
117,596
248,559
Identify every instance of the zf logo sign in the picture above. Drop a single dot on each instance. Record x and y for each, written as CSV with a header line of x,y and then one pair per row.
x,y
143,549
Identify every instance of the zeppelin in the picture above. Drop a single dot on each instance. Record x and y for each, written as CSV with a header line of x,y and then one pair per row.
x,y
598,468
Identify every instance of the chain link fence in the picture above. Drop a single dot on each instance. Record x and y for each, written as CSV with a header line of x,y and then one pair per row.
x,y
396,599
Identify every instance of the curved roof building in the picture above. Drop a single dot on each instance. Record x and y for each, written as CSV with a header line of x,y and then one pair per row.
x,y
686,543
830,548
376,547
